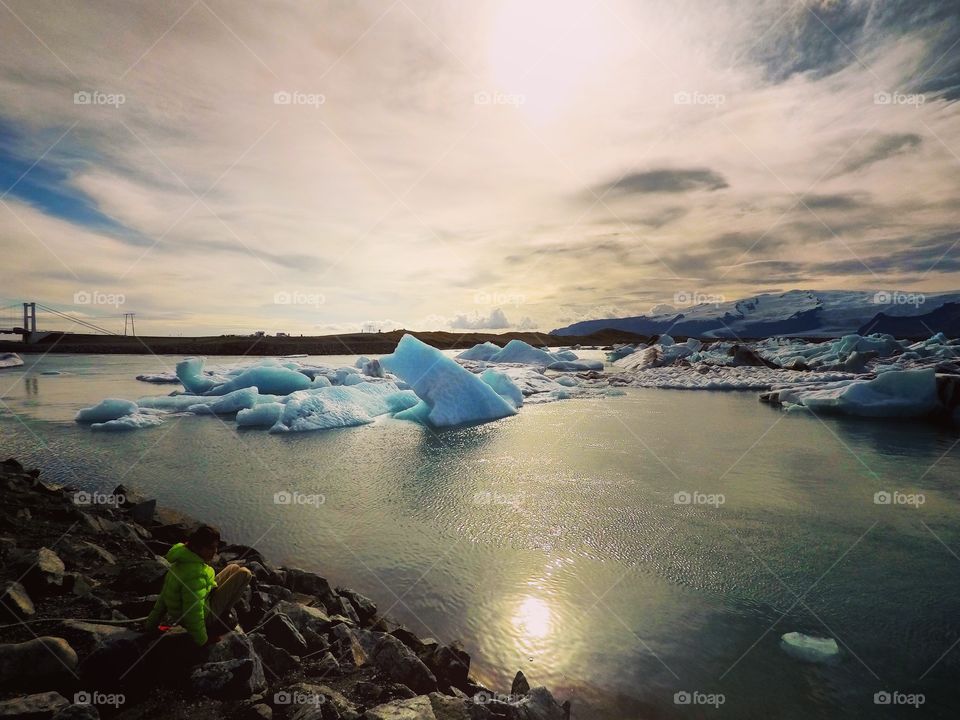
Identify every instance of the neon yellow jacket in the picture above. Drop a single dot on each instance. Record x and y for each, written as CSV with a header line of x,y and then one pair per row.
x,y
184,595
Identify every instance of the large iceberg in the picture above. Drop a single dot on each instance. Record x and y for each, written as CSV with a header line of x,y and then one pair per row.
x,y
334,407
897,393
106,410
454,395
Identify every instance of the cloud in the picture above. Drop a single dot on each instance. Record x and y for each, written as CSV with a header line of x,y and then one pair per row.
x,y
496,320
663,180
882,148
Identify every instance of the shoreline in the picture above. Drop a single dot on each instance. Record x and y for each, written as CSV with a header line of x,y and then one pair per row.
x,y
80,570
348,344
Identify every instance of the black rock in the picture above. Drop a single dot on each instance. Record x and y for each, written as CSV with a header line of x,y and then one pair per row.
x,y
277,662
281,631
399,662
33,707
520,685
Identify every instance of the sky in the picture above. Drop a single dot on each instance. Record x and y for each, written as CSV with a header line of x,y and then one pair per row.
x,y
318,167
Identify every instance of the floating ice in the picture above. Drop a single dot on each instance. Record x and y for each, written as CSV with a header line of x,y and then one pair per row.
x,y
10,359
483,351
810,648
334,407
261,415
517,351
106,410
242,399
133,421
898,393
503,386
158,378
190,372
275,380
575,365
454,395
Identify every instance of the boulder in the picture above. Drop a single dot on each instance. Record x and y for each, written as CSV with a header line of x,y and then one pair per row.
x,y
143,577
365,608
341,606
450,664
95,635
230,680
328,665
15,601
280,631
78,712
277,662
142,512
33,707
310,701
400,664
304,617
416,708
259,711
539,704
41,571
520,686
34,662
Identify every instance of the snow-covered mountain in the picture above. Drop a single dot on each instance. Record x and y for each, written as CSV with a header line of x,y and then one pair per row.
x,y
797,312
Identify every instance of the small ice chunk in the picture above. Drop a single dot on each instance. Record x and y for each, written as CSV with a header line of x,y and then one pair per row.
x,y
270,380
133,421
190,372
361,361
567,381
106,410
454,395
810,648
158,378
10,359
575,365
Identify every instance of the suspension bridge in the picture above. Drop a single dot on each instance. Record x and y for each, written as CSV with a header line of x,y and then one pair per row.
x,y
21,319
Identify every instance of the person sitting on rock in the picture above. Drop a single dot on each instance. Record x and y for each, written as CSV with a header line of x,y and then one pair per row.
x,y
192,595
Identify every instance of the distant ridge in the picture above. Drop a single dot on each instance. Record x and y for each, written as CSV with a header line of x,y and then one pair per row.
x,y
945,319
809,313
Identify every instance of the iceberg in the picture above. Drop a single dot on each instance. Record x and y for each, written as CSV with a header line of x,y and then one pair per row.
x,y
896,393
158,378
272,380
454,395
810,648
503,386
106,410
333,407
517,351
261,415
10,359
232,402
190,373
483,351
575,365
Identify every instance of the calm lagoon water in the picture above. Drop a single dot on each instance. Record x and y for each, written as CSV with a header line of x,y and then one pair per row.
x,y
551,542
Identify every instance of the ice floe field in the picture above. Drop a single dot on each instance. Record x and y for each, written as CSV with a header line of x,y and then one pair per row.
x,y
873,376
582,514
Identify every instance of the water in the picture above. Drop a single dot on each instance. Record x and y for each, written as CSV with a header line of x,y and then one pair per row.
x,y
550,542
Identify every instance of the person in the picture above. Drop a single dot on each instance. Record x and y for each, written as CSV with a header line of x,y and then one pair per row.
x,y
192,595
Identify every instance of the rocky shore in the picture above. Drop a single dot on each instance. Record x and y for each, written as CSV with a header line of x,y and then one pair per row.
x,y
77,579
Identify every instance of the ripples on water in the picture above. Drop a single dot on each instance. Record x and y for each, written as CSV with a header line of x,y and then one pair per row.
x,y
550,542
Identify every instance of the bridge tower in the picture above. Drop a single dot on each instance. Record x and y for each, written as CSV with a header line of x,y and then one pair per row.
x,y
29,320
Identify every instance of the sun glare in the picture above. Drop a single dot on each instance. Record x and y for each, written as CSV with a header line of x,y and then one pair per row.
x,y
533,617
546,50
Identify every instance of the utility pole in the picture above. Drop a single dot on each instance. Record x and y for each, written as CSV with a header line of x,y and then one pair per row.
x,y
128,317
